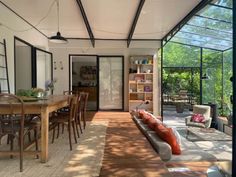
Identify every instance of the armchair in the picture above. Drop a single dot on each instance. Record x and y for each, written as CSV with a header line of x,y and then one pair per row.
x,y
200,109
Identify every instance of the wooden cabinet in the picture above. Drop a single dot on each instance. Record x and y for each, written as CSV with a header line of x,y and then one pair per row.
x,y
141,82
92,90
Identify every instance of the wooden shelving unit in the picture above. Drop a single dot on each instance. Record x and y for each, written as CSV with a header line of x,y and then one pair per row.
x,y
141,82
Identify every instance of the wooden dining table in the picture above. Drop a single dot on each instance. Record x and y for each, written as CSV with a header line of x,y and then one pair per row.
x,y
42,107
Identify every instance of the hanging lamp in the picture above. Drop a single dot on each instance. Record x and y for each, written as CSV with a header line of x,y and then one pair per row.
x,y
58,38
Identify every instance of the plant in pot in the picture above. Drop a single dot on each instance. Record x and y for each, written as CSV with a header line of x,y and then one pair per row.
x,y
179,107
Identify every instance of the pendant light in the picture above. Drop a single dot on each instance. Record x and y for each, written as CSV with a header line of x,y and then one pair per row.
x,y
58,38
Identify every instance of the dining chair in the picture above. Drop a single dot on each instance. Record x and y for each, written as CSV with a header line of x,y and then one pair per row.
x,y
68,119
78,112
14,125
83,107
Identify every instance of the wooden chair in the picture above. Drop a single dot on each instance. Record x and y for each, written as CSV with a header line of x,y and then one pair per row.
x,y
79,105
68,119
15,125
83,107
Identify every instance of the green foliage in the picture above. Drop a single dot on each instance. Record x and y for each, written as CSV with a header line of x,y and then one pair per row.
x,y
176,78
176,55
27,93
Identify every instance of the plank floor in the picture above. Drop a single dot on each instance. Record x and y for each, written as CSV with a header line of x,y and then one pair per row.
x,y
111,145
128,153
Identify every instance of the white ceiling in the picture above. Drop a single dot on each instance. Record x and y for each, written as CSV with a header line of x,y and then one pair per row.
x,y
109,19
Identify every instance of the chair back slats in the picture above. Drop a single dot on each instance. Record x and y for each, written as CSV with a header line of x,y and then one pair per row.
x,y
84,100
8,121
73,107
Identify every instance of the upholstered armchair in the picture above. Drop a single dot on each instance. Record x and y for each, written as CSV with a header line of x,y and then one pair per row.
x,y
205,111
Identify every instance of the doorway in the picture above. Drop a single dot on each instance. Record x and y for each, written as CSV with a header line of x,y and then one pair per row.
x,y
102,77
111,83
83,74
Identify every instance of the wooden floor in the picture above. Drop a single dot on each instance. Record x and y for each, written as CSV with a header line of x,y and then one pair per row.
x,y
111,145
128,153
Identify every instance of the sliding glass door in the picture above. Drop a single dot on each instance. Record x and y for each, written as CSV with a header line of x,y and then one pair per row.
x,y
111,96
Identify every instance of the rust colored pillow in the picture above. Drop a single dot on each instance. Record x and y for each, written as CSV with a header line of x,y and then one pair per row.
x,y
142,114
160,129
152,123
167,135
146,117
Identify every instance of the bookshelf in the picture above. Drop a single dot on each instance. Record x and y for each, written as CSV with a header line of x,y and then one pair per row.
x,y
141,82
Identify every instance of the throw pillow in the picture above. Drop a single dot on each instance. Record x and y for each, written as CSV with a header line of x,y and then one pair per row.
x,y
177,135
157,118
152,123
167,135
145,118
141,114
198,118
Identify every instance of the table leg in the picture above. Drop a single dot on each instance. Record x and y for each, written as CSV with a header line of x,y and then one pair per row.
x,y
44,134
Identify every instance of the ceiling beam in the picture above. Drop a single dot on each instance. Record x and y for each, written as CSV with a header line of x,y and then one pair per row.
x,y
111,39
89,30
177,27
131,32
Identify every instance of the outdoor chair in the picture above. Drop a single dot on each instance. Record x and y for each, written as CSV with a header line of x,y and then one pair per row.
x,y
16,125
205,111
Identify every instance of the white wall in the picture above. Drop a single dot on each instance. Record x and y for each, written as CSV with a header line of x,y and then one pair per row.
x,y
61,53
10,26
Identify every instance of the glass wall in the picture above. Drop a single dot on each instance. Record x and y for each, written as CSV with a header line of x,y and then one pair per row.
x,y
178,55
227,84
212,63
181,72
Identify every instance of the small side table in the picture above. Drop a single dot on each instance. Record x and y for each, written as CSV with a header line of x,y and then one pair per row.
x,y
227,129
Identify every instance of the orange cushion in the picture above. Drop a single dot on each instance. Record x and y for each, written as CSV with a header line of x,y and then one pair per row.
x,y
141,114
146,117
167,135
151,123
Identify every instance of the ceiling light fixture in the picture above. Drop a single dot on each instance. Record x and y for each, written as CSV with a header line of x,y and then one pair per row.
x,y
58,38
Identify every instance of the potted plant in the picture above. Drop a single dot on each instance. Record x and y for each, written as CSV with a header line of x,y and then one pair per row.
x,y
179,107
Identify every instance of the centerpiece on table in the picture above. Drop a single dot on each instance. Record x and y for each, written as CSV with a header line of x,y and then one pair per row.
x,y
30,94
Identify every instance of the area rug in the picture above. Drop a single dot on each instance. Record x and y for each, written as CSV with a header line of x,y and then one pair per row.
x,y
84,160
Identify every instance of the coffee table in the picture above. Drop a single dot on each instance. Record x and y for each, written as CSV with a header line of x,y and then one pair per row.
x,y
204,134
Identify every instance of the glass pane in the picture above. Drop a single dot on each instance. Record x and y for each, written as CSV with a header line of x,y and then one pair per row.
x,y
176,79
226,3
204,39
227,84
212,80
23,65
177,55
189,41
110,83
199,21
44,65
217,13
204,31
